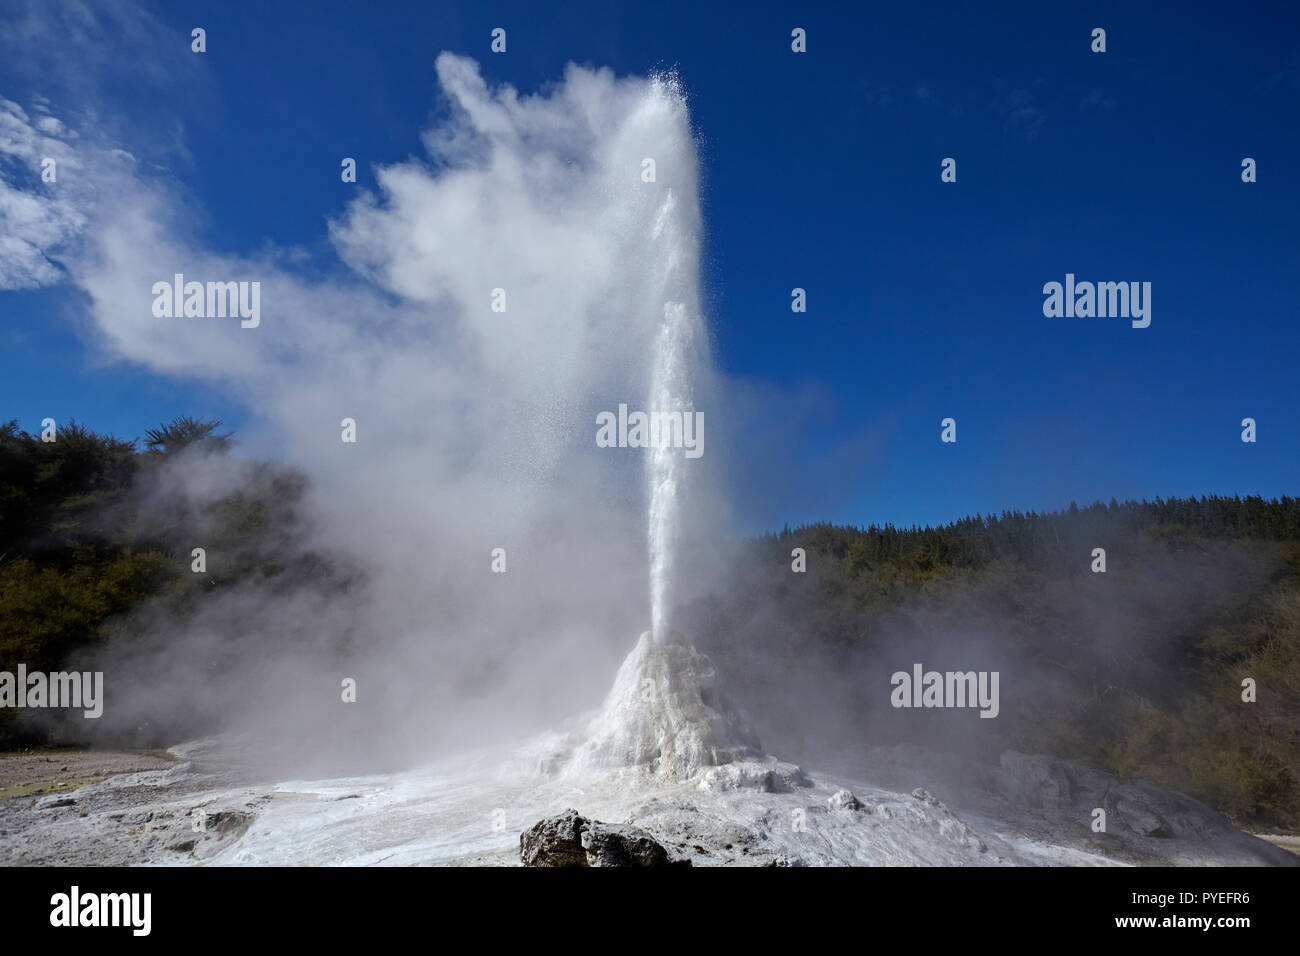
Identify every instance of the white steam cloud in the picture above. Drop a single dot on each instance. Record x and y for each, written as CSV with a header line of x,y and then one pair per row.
x,y
475,427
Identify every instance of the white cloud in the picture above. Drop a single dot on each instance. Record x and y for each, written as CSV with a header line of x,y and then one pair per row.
x,y
36,219
476,428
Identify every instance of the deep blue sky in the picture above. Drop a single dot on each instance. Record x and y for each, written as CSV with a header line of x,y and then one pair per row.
x,y
822,171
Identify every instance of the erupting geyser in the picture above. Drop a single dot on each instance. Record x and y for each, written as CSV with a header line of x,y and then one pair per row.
x,y
680,349
665,713
540,195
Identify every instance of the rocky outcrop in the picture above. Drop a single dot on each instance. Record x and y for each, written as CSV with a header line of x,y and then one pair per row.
x,y
844,800
573,840
768,775
1140,817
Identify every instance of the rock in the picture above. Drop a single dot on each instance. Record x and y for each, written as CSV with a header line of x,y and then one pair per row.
x,y
787,776
1138,813
184,846
629,847
1142,820
1039,782
226,823
765,776
573,840
925,797
554,841
844,800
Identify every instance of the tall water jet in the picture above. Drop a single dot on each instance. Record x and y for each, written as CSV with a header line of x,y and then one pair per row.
x,y
680,349
667,715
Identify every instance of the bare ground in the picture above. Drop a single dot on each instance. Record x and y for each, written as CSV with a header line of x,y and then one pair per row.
x,y
59,769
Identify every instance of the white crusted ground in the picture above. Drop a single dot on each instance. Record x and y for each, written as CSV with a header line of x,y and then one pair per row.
x,y
666,753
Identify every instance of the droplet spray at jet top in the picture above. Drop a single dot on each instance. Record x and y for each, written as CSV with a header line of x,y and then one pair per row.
x,y
680,347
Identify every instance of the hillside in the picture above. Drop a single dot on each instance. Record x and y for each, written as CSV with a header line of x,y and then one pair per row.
x,y
1137,670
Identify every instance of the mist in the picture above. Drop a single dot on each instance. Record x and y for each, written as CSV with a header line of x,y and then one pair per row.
x,y
1077,653
499,293
489,573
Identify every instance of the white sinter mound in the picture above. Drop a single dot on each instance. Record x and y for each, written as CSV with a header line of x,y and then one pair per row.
x,y
666,716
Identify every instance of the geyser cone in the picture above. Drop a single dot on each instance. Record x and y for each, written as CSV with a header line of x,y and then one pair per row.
x,y
667,715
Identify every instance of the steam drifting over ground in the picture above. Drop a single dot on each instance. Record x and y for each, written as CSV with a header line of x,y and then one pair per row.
x,y
475,425
505,290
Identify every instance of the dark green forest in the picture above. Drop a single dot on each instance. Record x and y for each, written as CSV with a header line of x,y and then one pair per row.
x,y
1137,670
91,528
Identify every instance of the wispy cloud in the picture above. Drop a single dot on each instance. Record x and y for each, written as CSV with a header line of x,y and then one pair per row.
x,y
1021,114
1096,99
37,219
1286,78
68,48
